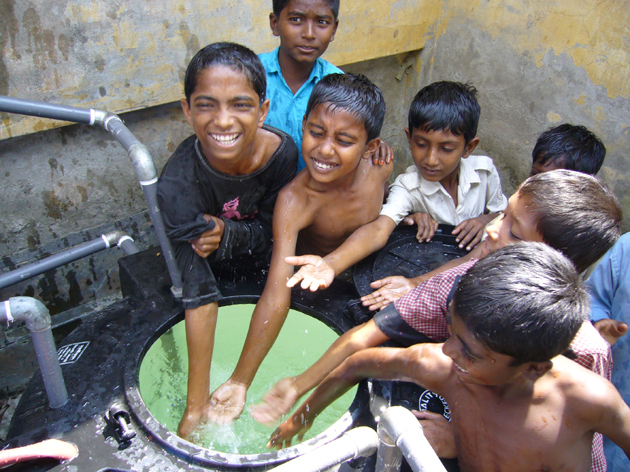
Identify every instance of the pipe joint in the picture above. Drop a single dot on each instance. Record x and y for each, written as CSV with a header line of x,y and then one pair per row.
x,y
98,117
143,164
30,310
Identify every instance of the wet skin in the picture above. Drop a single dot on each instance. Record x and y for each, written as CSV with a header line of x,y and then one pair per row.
x,y
226,113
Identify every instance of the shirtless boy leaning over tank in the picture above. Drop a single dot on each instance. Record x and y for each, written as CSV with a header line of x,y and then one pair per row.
x,y
516,403
341,191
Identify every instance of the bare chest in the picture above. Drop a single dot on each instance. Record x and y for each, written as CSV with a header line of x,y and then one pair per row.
x,y
519,437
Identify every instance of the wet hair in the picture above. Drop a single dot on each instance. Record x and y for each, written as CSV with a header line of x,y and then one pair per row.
x,y
279,5
354,94
570,147
231,55
575,213
524,300
446,106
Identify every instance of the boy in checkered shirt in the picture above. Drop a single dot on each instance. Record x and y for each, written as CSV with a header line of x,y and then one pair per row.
x,y
567,210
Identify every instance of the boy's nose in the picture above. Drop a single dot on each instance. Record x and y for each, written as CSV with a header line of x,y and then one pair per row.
x,y
309,30
223,118
326,148
432,157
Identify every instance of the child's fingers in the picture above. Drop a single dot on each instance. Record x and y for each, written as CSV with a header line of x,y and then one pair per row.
x,y
292,282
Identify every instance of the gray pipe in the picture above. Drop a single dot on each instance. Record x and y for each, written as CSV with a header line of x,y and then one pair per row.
x,y
139,154
400,427
147,176
46,110
68,255
37,319
358,442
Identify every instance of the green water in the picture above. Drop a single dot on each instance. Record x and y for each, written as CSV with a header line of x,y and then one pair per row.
x,y
163,374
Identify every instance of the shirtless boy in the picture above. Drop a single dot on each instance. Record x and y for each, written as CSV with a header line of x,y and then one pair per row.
x,y
516,404
341,191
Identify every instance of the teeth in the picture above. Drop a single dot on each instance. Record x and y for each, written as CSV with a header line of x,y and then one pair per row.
x,y
321,165
225,138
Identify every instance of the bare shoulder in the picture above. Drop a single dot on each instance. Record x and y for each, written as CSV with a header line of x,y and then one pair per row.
x,y
293,202
376,172
432,367
588,395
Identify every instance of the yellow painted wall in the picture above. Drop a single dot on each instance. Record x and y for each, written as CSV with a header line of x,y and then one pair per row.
x,y
119,56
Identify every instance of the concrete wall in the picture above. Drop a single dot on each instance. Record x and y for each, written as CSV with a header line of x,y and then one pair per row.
x,y
536,64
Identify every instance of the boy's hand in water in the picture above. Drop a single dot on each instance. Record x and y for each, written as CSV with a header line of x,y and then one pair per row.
x,y
209,241
283,434
439,433
227,402
611,330
469,232
190,421
389,289
427,226
276,402
314,274
383,155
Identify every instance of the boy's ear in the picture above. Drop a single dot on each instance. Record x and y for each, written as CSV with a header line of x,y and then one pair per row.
x,y
264,111
470,147
371,148
408,135
535,370
273,24
186,109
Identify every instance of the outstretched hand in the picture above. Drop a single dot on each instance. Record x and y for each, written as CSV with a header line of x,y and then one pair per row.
x,y
389,289
611,330
314,274
227,402
439,433
276,402
283,434
427,226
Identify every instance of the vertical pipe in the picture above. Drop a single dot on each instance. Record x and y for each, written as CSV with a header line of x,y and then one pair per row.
x,y
398,425
37,319
389,457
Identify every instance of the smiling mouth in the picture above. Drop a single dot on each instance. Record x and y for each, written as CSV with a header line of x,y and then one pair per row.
x,y
226,139
460,369
322,165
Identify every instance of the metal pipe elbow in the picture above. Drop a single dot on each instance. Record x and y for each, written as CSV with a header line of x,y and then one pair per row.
x,y
30,310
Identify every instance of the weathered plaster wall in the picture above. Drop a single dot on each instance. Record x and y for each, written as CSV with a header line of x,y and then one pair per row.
x,y
536,63
121,56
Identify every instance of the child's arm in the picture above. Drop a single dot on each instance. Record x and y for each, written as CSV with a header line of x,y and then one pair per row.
x,y
317,272
610,413
422,363
287,391
228,400
469,232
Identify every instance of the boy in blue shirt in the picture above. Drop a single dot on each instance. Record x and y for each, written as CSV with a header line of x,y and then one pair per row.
x,y
305,28
609,289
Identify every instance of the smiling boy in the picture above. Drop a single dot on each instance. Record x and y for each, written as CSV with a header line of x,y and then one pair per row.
x,y
567,210
446,185
516,404
340,191
216,194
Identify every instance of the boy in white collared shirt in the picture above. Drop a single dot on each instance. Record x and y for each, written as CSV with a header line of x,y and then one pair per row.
x,y
445,186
